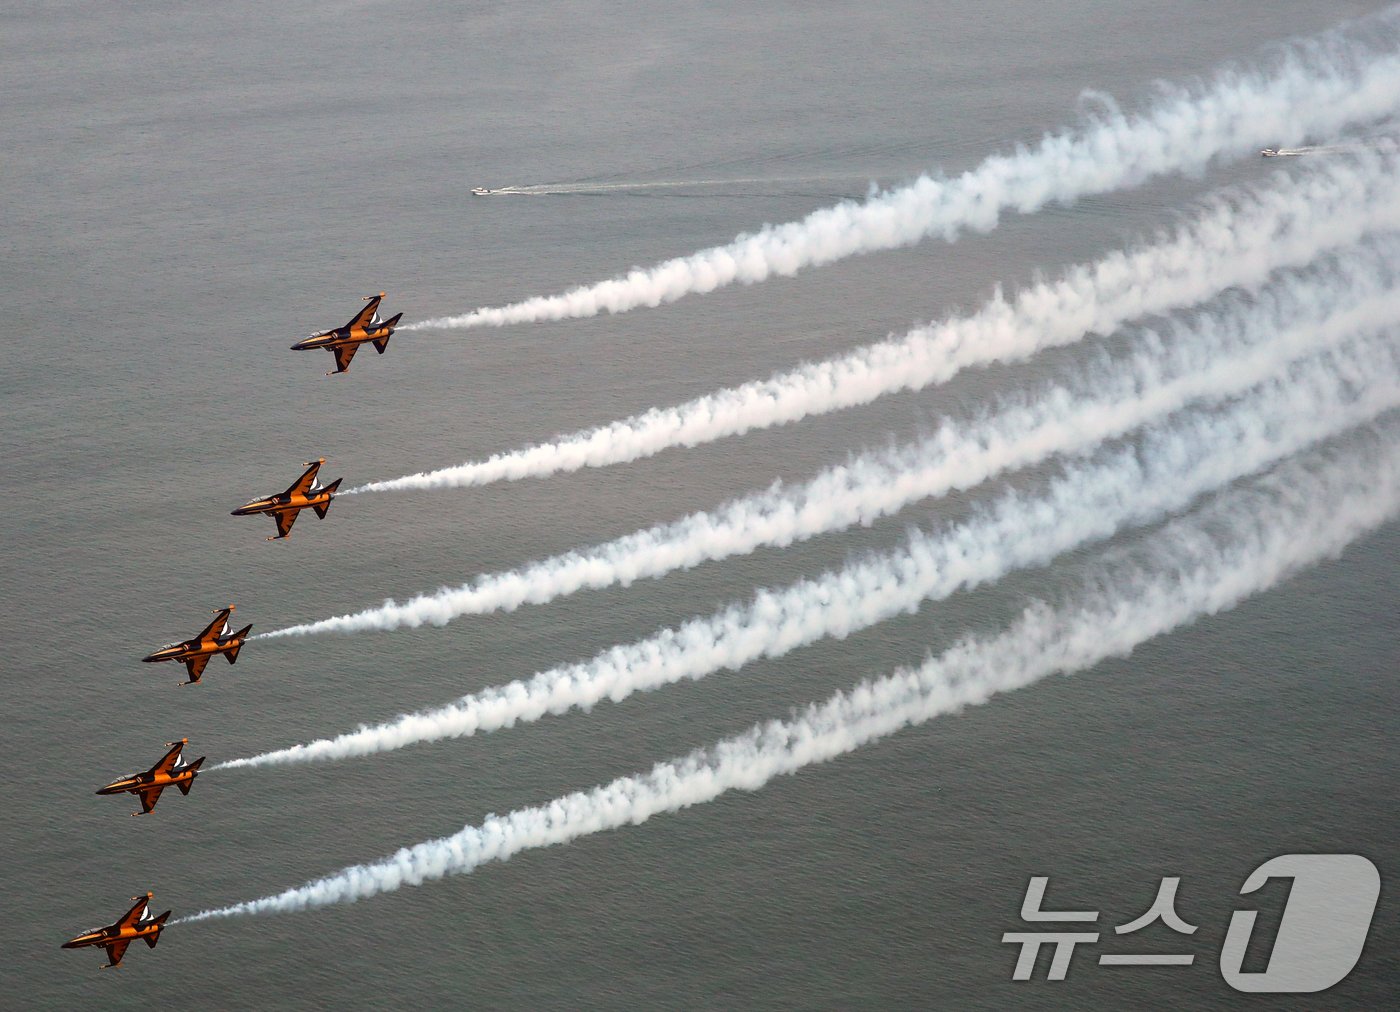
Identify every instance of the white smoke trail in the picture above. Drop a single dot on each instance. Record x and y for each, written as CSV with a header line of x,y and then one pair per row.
x,y
1316,88
1244,543
1129,485
1212,357
1238,241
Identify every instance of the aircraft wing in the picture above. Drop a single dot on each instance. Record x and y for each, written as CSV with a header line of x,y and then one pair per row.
x,y
216,628
169,760
362,318
303,484
343,354
133,915
116,950
285,520
195,666
149,797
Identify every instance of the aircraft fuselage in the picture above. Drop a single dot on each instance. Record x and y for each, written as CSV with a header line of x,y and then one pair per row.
x,y
115,933
344,335
191,649
138,782
287,503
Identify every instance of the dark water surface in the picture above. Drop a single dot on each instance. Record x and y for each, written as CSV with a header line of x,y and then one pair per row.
x,y
186,189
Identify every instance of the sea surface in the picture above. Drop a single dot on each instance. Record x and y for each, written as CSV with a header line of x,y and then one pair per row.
x,y
186,189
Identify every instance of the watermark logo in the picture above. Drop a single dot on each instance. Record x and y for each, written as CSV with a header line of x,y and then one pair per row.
x,y
1319,940
1323,929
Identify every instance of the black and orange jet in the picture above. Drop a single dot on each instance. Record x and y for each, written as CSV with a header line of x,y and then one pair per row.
x,y
171,771
304,494
215,639
138,922
344,341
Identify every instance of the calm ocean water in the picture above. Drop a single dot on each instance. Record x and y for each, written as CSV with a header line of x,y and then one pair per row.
x,y
188,189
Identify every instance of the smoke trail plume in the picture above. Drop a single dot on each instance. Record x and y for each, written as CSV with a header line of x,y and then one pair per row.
x,y
1315,88
1212,356
1127,485
1244,543
1238,240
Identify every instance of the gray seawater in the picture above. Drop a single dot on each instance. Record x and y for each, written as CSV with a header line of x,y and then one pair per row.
x,y
188,188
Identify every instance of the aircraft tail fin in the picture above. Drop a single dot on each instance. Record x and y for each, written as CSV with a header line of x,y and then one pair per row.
x,y
154,937
324,507
232,655
383,342
185,785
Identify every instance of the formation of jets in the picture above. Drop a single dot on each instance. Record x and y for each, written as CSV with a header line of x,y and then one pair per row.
x,y
365,327
172,769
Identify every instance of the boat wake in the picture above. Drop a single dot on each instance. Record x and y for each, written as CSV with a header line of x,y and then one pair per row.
x,y
565,189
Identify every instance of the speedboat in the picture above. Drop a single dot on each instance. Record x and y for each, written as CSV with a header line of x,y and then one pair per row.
x,y
481,191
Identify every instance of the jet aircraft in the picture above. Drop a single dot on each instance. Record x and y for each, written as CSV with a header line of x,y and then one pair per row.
x,y
215,639
171,771
138,922
303,494
344,341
